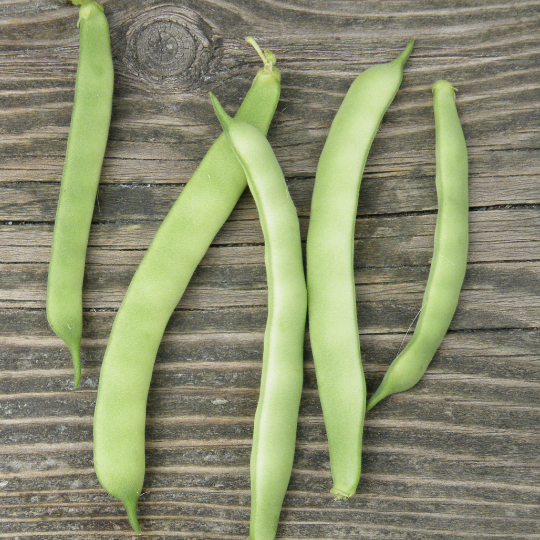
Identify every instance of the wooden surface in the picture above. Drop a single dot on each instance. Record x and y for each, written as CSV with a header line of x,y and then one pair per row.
x,y
457,457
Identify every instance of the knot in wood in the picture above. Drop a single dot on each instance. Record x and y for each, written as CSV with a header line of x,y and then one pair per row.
x,y
165,48
169,46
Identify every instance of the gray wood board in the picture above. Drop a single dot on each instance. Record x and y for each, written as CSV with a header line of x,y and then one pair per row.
x,y
457,456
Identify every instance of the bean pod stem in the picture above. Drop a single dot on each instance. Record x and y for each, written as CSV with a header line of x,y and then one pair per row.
x,y
333,325
86,144
276,417
154,292
449,260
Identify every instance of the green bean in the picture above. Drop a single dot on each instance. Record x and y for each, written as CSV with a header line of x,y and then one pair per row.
x,y
155,290
276,417
86,144
333,325
449,261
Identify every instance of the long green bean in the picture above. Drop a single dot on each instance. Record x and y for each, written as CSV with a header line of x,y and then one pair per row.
x,y
86,144
274,434
155,290
449,260
333,325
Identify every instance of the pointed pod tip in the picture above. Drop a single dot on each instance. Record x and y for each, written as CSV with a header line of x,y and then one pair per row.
x,y
403,57
222,116
379,394
131,509
75,351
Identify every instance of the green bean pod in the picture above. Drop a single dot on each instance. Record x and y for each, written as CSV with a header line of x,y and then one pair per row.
x,y
333,324
86,144
155,290
449,261
276,418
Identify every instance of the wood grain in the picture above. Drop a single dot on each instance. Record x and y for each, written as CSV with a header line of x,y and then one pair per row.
x,y
454,458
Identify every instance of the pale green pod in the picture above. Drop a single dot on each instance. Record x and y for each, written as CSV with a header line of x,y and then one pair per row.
x,y
449,260
154,292
86,144
276,418
333,324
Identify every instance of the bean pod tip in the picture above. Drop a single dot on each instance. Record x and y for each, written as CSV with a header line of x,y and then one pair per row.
x,y
443,85
77,378
339,495
131,509
86,8
403,57
222,116
83,3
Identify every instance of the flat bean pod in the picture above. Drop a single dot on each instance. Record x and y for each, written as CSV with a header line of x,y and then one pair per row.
x,y
276,417
155,290
333,324
86,144
449,260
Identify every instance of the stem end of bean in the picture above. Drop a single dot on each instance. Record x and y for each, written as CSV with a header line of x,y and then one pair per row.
x,y
86,8
268,58
443,85
339,495
82,3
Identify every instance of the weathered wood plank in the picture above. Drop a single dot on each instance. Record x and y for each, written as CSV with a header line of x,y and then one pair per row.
x,y
316,81
494,296
454,458
496,235
402,240
381,193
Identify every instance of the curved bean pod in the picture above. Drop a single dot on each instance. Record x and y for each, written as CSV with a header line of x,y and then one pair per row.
x,y
449,254
276,418
333,324
86,144
155,290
